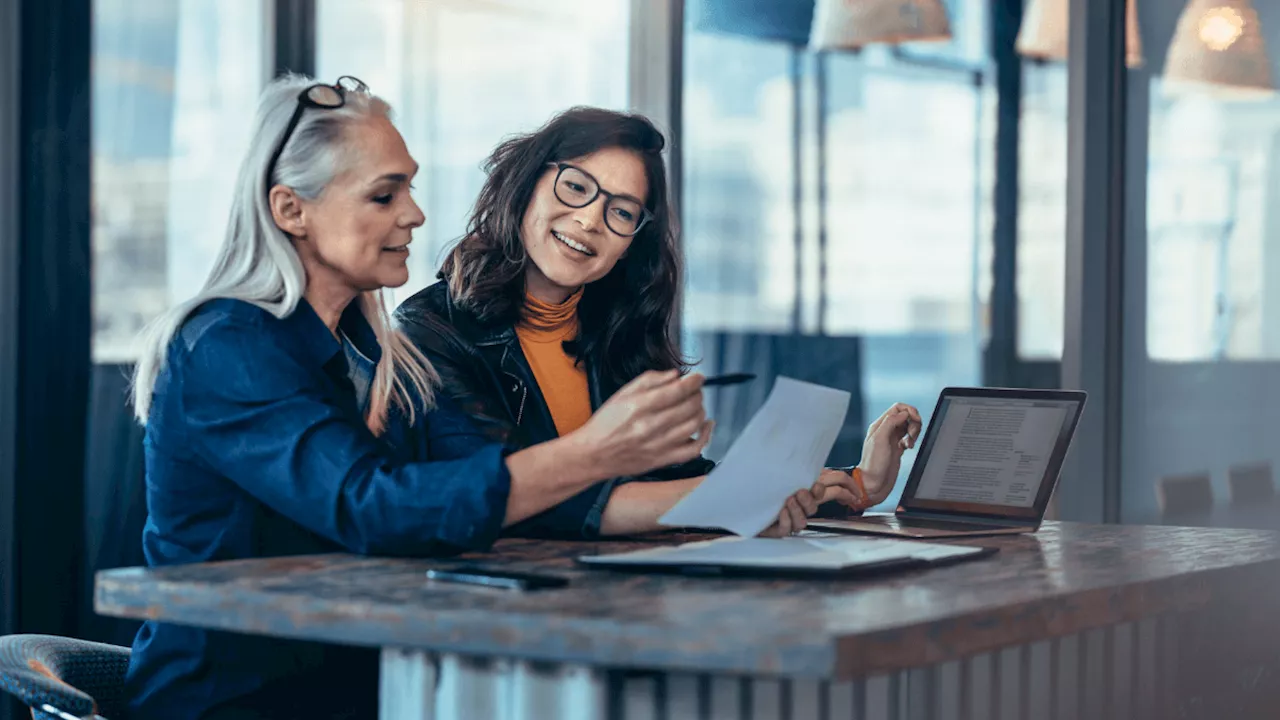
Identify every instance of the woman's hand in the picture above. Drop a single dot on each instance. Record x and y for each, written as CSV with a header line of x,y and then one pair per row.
x,y
838,485
832,484
892,434
654,421
795,514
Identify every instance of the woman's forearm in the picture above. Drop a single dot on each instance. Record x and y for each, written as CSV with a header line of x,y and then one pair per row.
x,y
636,506
547,474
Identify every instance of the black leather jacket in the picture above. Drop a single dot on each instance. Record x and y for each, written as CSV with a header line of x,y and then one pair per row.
x,y
482,367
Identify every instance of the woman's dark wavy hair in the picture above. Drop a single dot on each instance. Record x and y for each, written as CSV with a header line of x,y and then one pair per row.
x,y
625,316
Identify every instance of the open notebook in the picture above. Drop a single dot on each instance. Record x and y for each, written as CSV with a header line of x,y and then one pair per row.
x,y
809,553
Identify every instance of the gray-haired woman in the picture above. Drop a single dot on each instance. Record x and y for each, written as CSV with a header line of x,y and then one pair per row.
x,y
278,404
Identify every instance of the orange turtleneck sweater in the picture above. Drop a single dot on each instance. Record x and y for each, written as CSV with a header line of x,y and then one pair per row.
x,y
542,330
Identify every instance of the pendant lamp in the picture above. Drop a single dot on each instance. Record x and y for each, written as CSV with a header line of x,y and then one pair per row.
x,y
851,24
1044,31
1219,43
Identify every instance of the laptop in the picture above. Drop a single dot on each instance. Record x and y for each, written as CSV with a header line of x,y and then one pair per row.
x,y
988,465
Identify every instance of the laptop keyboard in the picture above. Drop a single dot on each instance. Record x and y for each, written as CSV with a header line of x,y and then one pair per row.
x,y
947,526
935,524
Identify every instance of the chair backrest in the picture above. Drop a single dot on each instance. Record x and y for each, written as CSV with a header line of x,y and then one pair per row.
x,y
1251,484
53,675
1183,495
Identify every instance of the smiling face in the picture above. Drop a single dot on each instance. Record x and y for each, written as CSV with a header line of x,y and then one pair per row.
x,y
571,247
355,236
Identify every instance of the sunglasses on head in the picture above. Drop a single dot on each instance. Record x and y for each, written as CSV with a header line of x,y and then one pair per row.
x,y
321,97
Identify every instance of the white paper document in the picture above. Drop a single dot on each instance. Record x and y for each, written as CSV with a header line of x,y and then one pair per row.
x,y
786,553
782,450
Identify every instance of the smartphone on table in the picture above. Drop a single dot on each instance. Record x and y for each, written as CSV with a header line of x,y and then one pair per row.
x,y
489,577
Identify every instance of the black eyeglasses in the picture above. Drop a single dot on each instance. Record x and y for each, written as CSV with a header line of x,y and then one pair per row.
x,y
576,188
321,97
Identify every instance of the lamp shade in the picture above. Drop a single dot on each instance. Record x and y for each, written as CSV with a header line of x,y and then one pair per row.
x,y
1219,42
1044,32
849,24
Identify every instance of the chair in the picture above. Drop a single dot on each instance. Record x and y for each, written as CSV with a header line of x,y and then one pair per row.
x,y
1251,485
1183,496
63,678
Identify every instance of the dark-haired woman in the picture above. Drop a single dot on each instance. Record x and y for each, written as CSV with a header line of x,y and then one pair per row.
x,y
563,290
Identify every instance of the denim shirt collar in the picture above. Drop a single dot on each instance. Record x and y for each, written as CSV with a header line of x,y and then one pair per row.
x,y
320,345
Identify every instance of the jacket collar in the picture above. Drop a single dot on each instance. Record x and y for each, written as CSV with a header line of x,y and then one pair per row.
x,y
319,345
498,342
467,324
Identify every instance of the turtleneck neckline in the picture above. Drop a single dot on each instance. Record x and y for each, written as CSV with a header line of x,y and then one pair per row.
x,y
544,322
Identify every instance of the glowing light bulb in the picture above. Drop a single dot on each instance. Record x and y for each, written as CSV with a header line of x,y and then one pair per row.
x,y
1220,28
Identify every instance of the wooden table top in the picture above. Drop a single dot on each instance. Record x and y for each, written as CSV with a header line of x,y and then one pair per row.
x,y
1066,578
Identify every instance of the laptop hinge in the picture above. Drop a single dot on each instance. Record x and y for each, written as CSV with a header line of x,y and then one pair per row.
x,y
977,520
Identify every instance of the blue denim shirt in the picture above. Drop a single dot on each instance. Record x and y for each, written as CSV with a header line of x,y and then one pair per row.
x,y
255,447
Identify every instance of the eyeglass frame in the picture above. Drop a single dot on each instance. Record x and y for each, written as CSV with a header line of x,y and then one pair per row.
x,y
304,102
645,213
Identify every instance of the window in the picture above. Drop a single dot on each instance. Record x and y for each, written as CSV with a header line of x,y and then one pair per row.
x,y
1205,274
738,221
175,85
904,172
1212,198
462,75
897,169
1042,211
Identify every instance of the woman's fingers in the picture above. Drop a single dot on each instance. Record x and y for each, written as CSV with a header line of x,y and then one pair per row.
x,y
651,379
796,514
663,396
842,495
781,527
688,448
680,432
646,381
689,410
903,423
913,424
704,434
808,503
834,484
894,413
909,409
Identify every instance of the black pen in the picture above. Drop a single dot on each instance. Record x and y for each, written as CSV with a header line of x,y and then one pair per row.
x,y
731,379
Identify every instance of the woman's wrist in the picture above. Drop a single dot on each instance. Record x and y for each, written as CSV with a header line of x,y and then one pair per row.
x,y
578,457
876,489
863,497
635,507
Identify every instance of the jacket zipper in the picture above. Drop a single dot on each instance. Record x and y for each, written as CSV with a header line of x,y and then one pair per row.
x,y
523,395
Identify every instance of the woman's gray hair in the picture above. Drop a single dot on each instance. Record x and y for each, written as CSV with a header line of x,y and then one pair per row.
x,y
258,263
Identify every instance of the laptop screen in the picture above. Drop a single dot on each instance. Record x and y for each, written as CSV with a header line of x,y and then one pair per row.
x,y
993,452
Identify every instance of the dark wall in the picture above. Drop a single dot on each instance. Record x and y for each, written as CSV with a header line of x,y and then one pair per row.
x,y
53,309
115,494
9,177
44,309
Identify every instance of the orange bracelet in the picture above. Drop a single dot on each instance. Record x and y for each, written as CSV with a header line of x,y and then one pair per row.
x,y
856,474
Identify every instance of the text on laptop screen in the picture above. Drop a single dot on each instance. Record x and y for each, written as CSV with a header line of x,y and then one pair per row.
x,y
993,451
